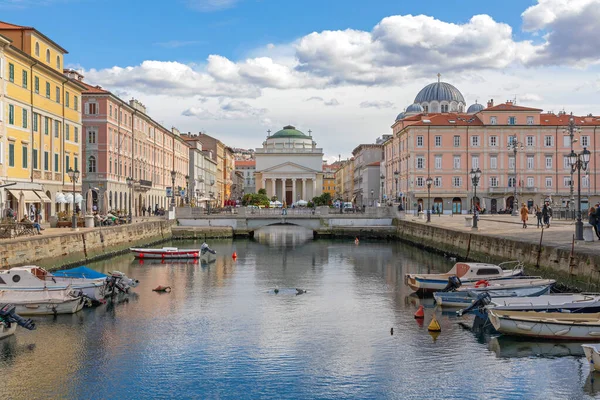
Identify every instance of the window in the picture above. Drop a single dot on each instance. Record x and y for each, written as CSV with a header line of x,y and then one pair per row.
x,y
34,157
566,162
511,163
56,129
438,162
91,136
493,162
75,103
46,125
56,165
493,141
530,181
67,132
530,162
11,114
419,141
444,108
493,121
25,118
110,168
76,134
110,110
67,99
567,141
11,154
512,181
34,121
585,181
76,163
548,162
37,84
548,182
437,181
512,120
456,181
566,181
48,56
493,181
529,120
511,139
456,141
475,141
46,156
37,49
92,164
57,62
475,162
67,162
57,94
48,90
24,156
92,108
25,79
548,141
420,181
529,141
585,141
456,162
438,141
11,72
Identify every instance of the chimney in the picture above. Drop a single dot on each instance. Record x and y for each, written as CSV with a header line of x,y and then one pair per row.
x,y
509,102
490,103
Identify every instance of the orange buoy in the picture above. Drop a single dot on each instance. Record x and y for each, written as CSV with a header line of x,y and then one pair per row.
x,y
161,288
234,255
420,312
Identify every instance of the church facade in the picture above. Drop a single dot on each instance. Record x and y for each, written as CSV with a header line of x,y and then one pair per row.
x,y
289,166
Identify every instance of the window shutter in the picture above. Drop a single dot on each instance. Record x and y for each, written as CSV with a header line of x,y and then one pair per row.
x,y
87,108
1,111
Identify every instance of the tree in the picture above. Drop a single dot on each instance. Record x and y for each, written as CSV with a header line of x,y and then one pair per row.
x,y
255,199
262,191
322,200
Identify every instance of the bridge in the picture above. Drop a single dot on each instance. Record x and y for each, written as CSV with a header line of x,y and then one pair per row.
x,y
322,220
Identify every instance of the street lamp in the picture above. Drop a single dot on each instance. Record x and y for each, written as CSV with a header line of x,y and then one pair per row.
x,y
396,173
130,182
571,129
475,175
372,198
514,145
187,189
579,162
428,181
173,174
382,181
74,176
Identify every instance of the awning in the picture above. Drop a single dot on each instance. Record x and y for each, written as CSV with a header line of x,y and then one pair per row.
x,y
43,197
29,195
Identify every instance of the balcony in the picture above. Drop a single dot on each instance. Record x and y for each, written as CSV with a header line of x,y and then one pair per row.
x,y
511,189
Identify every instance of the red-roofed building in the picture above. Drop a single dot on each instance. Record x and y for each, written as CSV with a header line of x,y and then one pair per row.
x,y
447,145
367,181
247,168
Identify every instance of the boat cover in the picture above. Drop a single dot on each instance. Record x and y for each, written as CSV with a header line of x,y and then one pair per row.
x,y
79,272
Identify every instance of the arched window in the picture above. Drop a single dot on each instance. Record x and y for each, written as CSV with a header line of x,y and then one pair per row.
x,y
37,49
57,62
48,56
92,164
110,165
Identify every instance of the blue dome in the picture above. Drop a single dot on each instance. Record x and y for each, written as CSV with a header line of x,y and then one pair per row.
x,y
400,116
475,108
415,108
439,91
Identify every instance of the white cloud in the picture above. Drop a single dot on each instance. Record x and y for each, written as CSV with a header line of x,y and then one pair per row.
x,y
529,98
332,102
228,110
211,5
376,104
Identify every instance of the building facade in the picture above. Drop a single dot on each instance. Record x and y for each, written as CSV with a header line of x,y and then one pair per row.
x,y
367,160
289,166
40,124
122,141
247,168
446,146
329,179
223,159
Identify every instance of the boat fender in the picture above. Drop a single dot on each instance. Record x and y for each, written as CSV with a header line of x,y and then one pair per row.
x,y
482,283
196,255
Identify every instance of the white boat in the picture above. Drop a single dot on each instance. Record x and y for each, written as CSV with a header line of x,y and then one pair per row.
x,y
44,301
592,354
174,253
466,298
466,272
570,303
547,325
9,321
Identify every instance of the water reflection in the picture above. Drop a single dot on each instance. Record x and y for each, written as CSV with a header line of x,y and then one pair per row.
x,y
507,347
283,235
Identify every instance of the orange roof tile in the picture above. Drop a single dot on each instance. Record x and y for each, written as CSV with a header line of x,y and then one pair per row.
x,y
93,89
6,25
510,107
374,164
9,26
245,163
447,119
563,120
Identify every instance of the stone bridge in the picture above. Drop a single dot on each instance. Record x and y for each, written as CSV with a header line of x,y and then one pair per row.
x,y
322,220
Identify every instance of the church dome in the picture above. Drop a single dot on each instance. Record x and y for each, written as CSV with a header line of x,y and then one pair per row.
x,y
415,108
439,91
289,131
400,116
475,108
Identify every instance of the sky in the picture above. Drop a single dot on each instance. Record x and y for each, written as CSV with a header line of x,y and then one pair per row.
x,y
342,68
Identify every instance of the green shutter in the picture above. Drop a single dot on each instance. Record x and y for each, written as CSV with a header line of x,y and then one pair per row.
x,y
56,166
48,89
35,122
11,155
11,114
37,84
67,99
11,72
25,79
24,118
24,157
67,162
35,158
68,132
46,161
76,134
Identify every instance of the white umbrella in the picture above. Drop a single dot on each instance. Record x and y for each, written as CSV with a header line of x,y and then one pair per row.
x,y
89,204
60,198
22,206
69,198
301,202
78,198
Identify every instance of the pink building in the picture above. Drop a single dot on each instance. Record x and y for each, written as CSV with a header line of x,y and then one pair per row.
x,y
121,140
434,138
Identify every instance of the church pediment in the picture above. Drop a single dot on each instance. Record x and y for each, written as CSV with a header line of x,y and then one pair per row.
x,y
289,167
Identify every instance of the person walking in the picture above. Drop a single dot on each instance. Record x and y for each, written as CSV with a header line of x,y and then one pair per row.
x,y
538,214
524,215
546,215
593,220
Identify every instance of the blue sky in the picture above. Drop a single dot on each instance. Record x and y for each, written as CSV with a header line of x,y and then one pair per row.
x,y
341,68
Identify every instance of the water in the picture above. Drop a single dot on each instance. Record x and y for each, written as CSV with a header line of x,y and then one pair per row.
x,y
223,333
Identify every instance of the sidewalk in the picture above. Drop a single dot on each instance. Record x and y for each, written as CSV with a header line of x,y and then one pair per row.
x,y
559,235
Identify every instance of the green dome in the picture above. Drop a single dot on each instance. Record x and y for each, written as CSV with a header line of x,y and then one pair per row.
x,y
289,132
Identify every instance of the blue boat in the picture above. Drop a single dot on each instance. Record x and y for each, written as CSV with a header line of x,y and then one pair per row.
x,y
465,298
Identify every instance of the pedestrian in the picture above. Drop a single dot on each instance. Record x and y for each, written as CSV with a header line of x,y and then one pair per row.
x,y
592,220
524,215
143,211
597,214
546,215
538,214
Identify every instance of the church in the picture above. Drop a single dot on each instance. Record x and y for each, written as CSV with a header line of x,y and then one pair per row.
x,y
289,166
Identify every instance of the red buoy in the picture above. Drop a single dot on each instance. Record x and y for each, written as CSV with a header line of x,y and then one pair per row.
x,y
234,255
420,312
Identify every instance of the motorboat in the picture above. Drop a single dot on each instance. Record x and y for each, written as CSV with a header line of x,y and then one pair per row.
x,y
466,295
166,253
592,353
466,272
44,301
82,274
9,320
565,303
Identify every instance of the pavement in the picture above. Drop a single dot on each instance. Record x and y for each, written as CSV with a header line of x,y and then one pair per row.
x,y
559,235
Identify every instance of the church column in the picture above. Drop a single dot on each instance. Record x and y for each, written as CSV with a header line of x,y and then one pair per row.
x,y
294,190
264,184
314,187
273,187
304,189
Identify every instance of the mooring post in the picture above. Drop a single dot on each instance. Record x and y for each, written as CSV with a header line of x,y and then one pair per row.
x,y
537,264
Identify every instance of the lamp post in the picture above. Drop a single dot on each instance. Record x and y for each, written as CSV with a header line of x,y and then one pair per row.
x,y
514,145
571,129
130,186
74,176
173,174
579,162
372,198
382,182
396,173
429,181
187,189
475,175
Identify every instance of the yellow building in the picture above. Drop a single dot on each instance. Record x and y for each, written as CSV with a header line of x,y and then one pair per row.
x,y
40,118
329,179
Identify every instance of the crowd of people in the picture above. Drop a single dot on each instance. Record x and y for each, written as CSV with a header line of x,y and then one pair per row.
x,y
543,214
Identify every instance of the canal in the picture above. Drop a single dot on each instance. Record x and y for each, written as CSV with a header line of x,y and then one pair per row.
x,y
224,333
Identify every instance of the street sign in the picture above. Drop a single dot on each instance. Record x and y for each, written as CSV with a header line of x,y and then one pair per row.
x,y
169,192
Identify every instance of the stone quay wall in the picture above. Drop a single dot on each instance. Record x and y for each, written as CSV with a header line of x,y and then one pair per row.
x,y
52,251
